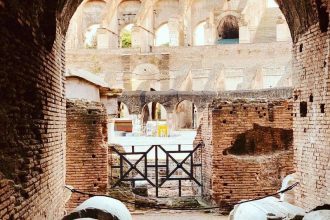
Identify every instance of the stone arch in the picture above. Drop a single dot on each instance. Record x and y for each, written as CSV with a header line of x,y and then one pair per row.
x,y
185,115
90,36
165,9
123,110
92,11
162,35
228,29
125,36
145,76
199,34
229,13
127,10
153,111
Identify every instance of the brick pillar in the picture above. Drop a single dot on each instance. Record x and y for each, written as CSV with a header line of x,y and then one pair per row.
x,y
86,153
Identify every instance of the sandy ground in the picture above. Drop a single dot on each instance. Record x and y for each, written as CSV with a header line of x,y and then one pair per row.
x,y
178,216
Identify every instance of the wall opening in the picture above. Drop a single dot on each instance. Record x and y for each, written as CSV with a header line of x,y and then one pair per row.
x,y
123,111
303,109
126,36
154,111
162,36
323,15
228,30
199,34
322,108
185,115
90,36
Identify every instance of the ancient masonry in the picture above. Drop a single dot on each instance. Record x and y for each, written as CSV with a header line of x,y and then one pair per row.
x,y
33,136
32,105
248,149
86,150
33,109
311,117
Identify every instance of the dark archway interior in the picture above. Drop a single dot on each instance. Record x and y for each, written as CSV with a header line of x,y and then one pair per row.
x,y
228,28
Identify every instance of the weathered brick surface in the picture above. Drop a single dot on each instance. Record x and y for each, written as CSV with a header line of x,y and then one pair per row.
x,y
86,150
32,108
312,137
32,116
231,176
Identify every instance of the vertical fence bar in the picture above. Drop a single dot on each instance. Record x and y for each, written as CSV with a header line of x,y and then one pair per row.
x,y
192,164
121,166
146,165
180,193
156,169
167,166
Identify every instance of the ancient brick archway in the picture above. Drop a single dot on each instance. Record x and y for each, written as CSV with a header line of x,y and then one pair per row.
x,y
136,100
32,104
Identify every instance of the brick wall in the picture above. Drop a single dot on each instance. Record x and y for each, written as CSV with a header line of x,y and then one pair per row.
x,y
311,128
86,149
248,149
310,32
32,114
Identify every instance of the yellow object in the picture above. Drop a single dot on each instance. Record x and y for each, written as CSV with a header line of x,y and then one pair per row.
x,y
162,130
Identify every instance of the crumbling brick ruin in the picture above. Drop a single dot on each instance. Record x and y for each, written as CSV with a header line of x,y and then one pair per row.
x,y
248,149
86,150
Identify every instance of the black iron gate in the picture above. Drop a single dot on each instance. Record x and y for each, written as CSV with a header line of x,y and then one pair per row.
x,y
157,165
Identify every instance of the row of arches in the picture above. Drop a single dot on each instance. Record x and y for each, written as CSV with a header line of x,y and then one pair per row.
x,y
185,114
225,28
227,33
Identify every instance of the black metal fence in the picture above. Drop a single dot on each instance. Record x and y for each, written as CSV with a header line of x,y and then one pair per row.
x,y
156,165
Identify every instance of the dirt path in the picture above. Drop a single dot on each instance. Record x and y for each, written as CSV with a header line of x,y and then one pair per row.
x,y
178,216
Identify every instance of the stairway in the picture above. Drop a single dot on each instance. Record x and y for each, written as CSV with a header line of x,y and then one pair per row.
x,y
266,31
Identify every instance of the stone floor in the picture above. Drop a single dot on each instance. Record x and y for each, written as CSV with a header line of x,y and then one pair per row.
x,y
178,216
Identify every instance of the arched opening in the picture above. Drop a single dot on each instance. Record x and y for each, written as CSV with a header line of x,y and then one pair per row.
x,y
162,36
228,30
127,11
123,111
154,116
199,34
90,36
154,111
126,36
92,10
185,115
